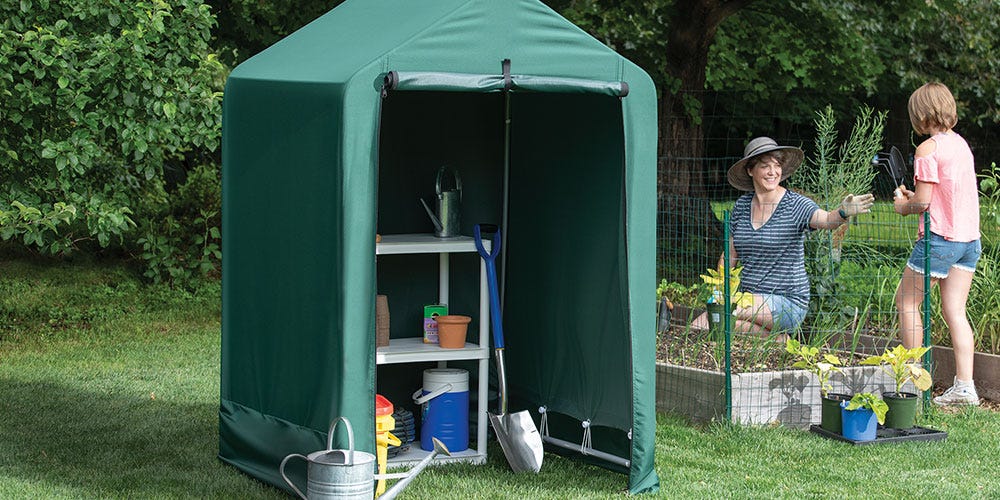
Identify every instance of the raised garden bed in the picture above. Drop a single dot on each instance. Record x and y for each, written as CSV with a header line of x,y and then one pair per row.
x,y
690,377
789,397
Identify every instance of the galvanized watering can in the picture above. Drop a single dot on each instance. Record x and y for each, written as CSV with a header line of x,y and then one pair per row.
x,y
449,206
336,473
349,474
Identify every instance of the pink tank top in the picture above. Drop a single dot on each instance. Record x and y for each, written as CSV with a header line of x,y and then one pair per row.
x,y
954,207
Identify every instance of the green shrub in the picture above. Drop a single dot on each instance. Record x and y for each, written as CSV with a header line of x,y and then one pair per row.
x,y
182,243
98,97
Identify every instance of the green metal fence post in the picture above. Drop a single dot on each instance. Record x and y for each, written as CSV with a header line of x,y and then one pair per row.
x,y
727,322
927,303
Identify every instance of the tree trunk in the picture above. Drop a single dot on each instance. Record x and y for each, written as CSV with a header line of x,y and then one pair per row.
x,y
681,141
690,238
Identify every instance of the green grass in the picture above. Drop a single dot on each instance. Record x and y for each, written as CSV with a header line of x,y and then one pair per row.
x,y
109,389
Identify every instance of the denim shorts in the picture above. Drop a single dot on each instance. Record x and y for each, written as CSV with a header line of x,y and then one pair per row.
x,y
945,255
786,315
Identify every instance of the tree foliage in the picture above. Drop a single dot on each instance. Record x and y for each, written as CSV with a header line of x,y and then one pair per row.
x,y
247,27
99,97
837,53
954,42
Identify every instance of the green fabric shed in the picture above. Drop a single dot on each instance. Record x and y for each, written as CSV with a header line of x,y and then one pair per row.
x,y
334,133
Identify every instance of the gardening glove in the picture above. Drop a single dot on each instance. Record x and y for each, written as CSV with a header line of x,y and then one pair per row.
x,y
860,204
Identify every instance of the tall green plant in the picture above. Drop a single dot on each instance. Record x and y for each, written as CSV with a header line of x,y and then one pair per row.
x,y
835,169
983,305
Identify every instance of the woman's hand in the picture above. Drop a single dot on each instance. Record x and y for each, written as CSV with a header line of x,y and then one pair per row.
x,y
860,204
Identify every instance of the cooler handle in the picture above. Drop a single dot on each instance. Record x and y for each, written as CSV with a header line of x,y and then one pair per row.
x,y
418,399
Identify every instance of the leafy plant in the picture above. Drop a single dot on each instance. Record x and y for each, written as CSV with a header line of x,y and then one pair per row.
x,y
903,365
99,100
810,359
871,402
984,303
716,282
676,292
835,170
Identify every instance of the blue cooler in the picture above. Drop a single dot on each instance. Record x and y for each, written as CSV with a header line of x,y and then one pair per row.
x,y
445,408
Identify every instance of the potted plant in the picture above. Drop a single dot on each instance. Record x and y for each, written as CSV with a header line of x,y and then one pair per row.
x,y
860,415
715,282
904,366
823,366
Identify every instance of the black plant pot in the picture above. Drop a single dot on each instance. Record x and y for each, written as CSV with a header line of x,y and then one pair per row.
x,y
830,412
902,409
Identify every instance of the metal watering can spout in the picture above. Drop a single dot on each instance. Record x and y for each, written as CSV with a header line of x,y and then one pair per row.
x,y
349,474
391,493
434,218
449,202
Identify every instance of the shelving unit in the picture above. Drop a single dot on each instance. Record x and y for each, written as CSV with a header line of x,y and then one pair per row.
x,y
414,350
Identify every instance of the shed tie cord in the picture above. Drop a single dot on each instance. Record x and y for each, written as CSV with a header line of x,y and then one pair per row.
x,y
586,444
545,421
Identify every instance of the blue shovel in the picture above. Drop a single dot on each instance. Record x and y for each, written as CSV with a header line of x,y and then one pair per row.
x,y
518,436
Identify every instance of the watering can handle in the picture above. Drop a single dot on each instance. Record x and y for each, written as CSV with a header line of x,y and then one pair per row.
x,y
281,469
418,399
437,183
350,438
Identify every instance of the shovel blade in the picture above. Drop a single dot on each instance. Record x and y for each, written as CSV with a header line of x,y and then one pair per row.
x,y
520,440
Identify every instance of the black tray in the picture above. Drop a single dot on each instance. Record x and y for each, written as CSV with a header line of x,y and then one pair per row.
x,y
886,435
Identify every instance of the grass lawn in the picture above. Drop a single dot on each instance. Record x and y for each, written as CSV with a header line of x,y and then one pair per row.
x,y
109,389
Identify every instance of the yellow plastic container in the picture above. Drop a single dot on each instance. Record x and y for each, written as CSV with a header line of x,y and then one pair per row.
x,y
383,438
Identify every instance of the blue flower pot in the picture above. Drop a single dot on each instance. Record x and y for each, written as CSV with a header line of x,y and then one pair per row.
x,y
859,424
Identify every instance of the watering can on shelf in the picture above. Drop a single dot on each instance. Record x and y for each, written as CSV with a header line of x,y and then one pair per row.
x,y
349,474
449,205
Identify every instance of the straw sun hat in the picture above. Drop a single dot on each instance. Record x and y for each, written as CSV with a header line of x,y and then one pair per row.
x,y
791,159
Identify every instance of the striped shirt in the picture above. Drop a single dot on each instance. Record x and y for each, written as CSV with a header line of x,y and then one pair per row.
x,y
773,256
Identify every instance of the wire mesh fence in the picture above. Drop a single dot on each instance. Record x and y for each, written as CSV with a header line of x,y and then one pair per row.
x,y
854,271
720,373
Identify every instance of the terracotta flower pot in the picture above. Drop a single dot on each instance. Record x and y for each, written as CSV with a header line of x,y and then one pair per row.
x,y
452,329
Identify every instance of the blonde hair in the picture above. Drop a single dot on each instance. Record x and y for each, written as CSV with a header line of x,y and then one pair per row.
x,y
932,107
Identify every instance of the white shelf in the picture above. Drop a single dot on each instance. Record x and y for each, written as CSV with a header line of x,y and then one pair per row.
x,y
413,349
416,454
394,244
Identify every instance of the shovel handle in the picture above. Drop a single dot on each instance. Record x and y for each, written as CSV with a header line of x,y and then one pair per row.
x,y
491,279
478,230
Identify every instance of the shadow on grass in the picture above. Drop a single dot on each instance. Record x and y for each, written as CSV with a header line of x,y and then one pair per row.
x,y
74,442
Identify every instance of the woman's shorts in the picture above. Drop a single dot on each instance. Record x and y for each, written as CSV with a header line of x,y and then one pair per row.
x,y
945,255
786,315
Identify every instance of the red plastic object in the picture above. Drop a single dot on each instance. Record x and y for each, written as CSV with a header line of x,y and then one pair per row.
x,y
382,406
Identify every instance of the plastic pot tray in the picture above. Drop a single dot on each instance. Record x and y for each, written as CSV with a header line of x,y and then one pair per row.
x,y
885,435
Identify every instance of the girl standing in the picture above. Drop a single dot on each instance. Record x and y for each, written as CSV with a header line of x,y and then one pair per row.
x,y
945,190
